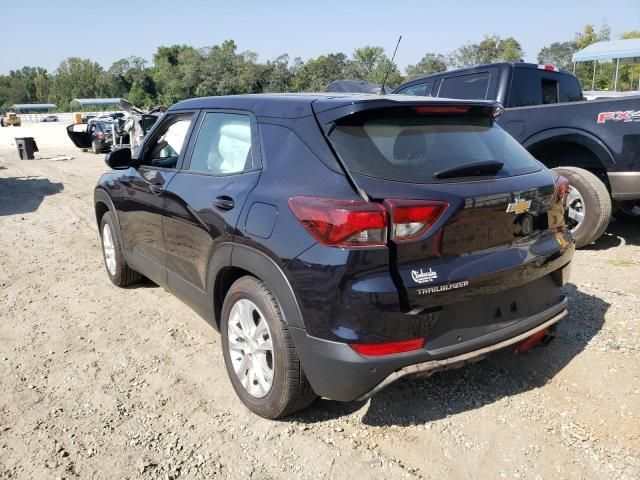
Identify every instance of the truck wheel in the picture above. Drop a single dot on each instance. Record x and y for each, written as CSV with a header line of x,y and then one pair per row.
x,y
259,354
588,205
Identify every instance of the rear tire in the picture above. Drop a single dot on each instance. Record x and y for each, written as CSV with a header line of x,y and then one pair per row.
x,y
117,269
288,389
628,211
592,199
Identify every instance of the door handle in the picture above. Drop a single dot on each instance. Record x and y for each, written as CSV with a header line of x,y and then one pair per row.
x,y
224,202
156,189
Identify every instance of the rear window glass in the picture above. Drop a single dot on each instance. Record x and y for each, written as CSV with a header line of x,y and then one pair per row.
x,y
471,86
412,148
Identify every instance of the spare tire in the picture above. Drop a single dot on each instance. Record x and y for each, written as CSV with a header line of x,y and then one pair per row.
x,y
588,205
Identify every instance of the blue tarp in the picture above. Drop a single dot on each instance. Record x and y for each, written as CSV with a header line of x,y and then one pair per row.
x,y
627,51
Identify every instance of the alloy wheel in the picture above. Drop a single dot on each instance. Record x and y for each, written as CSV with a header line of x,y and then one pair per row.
x,y
251,348
109,249
575,208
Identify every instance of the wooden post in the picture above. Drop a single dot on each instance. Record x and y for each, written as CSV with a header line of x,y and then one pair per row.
x,y
615,79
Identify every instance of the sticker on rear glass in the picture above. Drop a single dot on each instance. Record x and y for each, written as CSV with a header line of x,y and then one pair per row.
x,y
420,276
443,288
626,116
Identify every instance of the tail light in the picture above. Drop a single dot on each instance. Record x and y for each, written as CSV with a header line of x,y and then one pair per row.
x,y
562,188
388,348
341,223
413,218
99,135
351,223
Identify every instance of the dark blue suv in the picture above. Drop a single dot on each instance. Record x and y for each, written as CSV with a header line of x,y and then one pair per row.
x,y
340,241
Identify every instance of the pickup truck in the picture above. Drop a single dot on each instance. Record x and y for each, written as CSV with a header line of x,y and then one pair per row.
x,y
594,144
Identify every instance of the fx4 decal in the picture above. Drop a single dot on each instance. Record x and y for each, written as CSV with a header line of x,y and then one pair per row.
x,y
626,116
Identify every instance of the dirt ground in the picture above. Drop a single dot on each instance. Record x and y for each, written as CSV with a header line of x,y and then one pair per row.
x,y
101,382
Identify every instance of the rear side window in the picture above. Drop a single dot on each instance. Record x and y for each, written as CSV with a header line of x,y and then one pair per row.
x,y
223,145
411,148
538,87
468,87
419,89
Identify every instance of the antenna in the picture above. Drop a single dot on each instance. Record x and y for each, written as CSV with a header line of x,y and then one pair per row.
x,y
386,75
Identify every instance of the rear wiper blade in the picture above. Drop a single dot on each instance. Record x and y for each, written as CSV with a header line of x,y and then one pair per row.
x,y
470,169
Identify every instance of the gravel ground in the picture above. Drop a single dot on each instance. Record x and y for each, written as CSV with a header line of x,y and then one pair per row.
x,y
100,382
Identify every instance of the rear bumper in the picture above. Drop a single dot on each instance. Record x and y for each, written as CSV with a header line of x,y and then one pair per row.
x,y
624,185
336,371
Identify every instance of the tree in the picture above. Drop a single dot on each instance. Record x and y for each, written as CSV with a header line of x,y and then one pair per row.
x,y
372,65
276,75
429,64
491,49
315,74
558,54
175,72
76,78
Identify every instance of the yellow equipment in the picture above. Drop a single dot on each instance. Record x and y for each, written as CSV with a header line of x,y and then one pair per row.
x,y
11,118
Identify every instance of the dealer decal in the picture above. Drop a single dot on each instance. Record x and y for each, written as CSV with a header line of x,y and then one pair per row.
x,y
420,276
626,116
443,288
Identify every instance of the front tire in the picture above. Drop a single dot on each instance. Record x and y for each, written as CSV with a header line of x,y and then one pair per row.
x,y
119,272
588,205
259,353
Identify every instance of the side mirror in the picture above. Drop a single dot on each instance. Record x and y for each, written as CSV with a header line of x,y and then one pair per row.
x,y
119,159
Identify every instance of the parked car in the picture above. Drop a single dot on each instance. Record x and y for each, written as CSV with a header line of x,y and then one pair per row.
x,y
50,118
595,144
96,135
340,242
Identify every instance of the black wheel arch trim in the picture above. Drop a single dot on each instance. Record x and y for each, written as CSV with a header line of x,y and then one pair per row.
x,y
574,135
101,196
266,269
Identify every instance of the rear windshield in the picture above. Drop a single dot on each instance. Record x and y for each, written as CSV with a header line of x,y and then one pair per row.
x,y
408,147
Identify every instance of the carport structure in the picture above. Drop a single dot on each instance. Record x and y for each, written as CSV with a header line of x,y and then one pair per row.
x,y
82,103
33,107
620,51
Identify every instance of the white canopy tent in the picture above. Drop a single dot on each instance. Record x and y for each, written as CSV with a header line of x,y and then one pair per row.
x,y
620,51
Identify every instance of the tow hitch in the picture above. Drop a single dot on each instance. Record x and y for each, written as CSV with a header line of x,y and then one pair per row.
x,y
543,337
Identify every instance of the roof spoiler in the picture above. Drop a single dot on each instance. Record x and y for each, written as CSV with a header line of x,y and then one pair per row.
x,y
328,113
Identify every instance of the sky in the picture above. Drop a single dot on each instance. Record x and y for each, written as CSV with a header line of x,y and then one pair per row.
x,y
44,32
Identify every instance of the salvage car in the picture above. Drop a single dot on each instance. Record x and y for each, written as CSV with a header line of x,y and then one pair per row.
x,y
595,144
340,242
96,135
50,118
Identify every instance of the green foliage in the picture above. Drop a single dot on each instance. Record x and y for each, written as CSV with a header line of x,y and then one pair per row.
x,y
431,63
558,54
491,49
181,71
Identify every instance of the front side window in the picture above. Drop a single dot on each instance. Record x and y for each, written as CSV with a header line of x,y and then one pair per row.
x,y
472,86
223,146
165,145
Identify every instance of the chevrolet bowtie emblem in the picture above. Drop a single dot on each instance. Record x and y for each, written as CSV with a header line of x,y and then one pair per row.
x,y
519,206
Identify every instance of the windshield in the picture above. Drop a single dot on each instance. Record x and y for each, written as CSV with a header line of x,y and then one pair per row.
x,y
411,148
